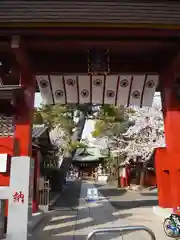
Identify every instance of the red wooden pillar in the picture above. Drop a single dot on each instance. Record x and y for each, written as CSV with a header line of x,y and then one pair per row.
x,y
25,108
6,146
168,159
24,103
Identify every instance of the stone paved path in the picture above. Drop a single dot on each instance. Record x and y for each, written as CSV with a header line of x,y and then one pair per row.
x,y
61,221
73,218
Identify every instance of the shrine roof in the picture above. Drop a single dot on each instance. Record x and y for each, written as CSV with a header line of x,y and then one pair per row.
x,y
88,154
41,138
38,131
113,12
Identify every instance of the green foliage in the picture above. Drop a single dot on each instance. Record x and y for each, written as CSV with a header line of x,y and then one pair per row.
x,y
62,116
130,111
100,127
110,113
113,122
76,144
56,115
38,119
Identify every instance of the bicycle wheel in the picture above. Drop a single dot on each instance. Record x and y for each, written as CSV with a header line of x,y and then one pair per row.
x,y
170,228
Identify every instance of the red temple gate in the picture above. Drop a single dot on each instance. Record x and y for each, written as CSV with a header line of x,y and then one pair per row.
x,y
112,53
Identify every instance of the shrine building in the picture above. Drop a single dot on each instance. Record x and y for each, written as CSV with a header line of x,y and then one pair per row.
x,y
88,159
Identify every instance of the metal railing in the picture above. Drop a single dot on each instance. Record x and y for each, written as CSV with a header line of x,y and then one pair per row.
x,y
44,196
121,230
2,219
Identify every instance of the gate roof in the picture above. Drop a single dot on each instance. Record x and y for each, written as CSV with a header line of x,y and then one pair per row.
x,y
115,12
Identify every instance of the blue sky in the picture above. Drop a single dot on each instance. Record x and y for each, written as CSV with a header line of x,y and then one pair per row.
x,y
38,99
89,127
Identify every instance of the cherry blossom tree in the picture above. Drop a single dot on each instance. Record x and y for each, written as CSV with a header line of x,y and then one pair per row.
x,y
136,137
146,134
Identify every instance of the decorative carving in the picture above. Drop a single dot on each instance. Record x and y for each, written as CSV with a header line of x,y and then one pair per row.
x,y
7,126
98,61
43,83
136,94
97,82
124,83
84,93
59,93
150,84
110,93
70,82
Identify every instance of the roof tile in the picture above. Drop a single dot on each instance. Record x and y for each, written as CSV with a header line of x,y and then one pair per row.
x,y
124,11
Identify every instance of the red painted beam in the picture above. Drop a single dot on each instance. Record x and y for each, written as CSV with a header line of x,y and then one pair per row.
x,y
77,63
80,44
83,44
52,56
73,67
50,45
90,32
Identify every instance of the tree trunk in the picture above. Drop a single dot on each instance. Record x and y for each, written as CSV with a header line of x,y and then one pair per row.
x,y
113,175
117,172
143,178
79,129
138,173
143,175
75,137
118,178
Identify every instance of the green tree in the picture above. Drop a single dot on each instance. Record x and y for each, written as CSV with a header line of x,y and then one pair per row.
x,y
61,115
58,115
112,122
70,119
38,119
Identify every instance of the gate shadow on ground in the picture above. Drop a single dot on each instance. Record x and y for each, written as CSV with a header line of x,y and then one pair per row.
x,y
133,204
65,224
154,194
123,199
110,191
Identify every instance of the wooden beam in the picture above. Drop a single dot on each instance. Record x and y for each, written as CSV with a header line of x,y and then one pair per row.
x,y
81,67
77,63
4,47
20,54
90,32
78,44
